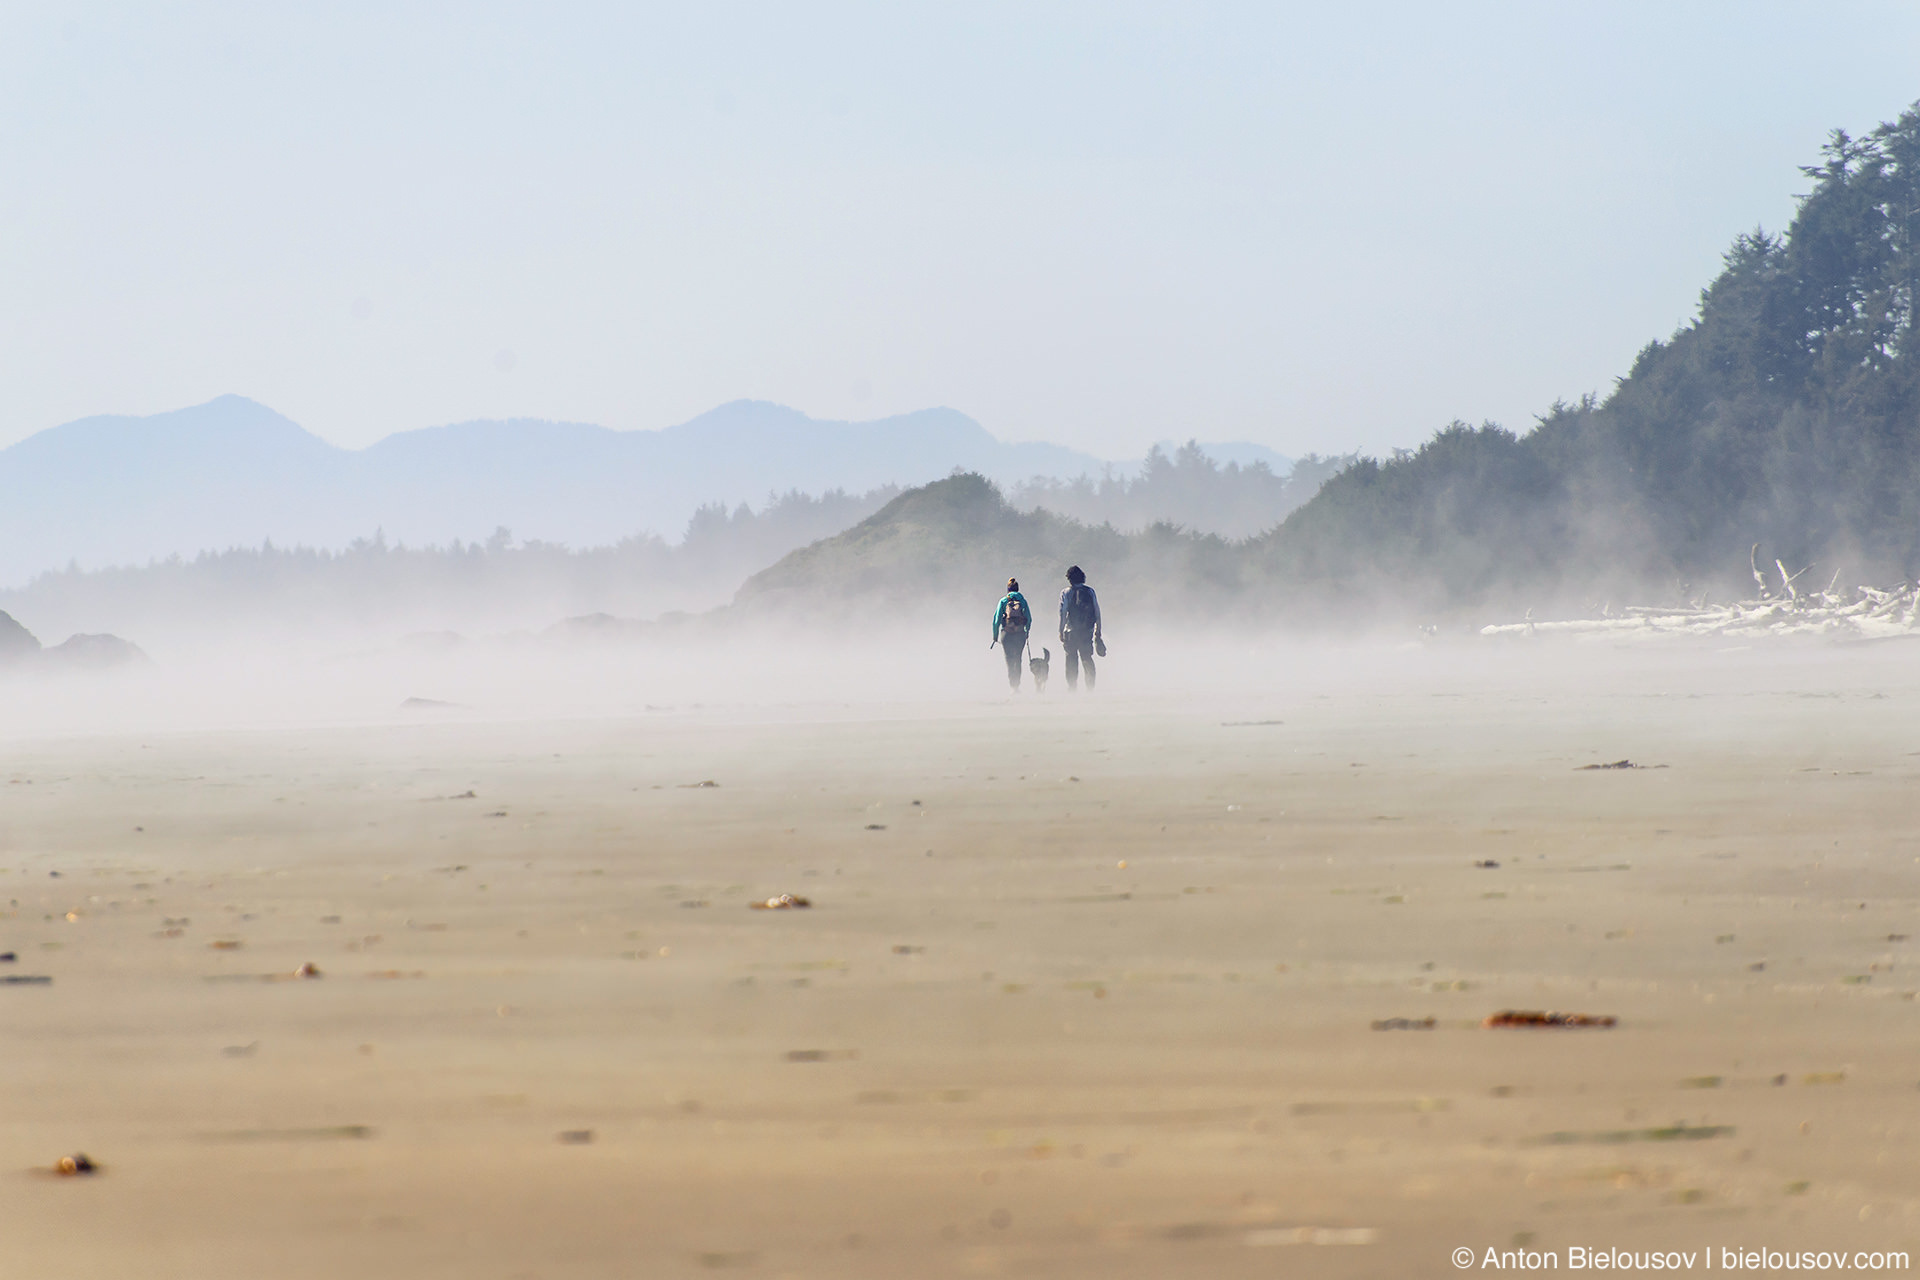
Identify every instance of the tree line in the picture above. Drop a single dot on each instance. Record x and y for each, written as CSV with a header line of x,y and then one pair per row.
x,y
1186,488
502,582
1785,414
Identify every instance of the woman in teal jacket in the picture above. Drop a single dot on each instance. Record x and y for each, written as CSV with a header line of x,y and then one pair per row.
x,y
1011,623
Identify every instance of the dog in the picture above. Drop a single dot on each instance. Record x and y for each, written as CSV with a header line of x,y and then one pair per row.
x,y
1039,667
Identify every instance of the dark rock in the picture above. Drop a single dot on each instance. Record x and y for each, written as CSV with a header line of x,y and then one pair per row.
x,y
95,652
16,642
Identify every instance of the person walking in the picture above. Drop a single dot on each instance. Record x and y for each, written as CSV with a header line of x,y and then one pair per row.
x,y
1011,623
1080,633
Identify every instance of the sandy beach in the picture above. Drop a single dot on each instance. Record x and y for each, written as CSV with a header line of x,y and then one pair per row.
x,y
1087,987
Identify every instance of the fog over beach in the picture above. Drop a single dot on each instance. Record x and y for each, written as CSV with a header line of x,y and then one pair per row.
x,y
518,755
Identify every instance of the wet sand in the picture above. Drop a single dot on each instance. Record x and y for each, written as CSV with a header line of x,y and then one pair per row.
x,y
1086,989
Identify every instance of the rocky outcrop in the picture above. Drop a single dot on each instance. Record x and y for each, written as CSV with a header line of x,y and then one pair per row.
x,y
19,648
17,644
94,652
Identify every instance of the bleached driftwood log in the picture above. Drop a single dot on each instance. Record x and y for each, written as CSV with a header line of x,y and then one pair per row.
x,y
1865,613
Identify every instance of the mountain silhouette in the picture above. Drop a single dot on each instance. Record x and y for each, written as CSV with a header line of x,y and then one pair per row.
x,y
232,472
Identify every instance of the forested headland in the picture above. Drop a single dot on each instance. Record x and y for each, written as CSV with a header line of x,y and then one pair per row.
x,y
1781,423
1786,414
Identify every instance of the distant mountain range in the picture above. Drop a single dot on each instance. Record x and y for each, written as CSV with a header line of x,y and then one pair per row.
x,y
232,472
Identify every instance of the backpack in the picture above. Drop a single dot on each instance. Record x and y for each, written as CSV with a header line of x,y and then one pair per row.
x,y
1080,608
1016,618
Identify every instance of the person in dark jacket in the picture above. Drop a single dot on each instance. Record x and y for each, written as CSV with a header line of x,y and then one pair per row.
x,y
1080,633
1011,623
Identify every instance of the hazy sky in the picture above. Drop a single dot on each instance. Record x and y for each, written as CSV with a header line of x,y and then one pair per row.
x,y
1319,226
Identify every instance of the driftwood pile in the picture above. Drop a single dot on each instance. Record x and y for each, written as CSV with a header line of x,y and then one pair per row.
x,y
1786,609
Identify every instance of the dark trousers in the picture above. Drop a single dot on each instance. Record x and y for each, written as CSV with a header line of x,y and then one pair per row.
x,y
1014,645
1079,647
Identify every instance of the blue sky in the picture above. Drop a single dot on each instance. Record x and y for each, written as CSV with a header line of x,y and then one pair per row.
x,y
1317,227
